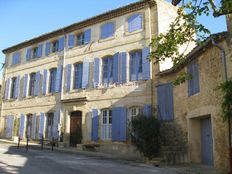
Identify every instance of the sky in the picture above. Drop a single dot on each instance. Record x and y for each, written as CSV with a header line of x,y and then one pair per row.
x,y
22,20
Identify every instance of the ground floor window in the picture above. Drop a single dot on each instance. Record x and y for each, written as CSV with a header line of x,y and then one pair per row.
x,y
106,124
29,126
49,125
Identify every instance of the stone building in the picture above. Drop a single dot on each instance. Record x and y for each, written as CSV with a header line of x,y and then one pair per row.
x,y
84,82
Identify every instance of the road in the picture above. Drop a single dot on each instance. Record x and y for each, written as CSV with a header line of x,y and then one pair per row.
x,y
13,160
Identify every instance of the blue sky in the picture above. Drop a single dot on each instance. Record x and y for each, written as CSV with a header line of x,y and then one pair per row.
x,y
21,20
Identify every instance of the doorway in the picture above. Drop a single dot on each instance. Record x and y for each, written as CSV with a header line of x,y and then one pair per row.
x,y
75,128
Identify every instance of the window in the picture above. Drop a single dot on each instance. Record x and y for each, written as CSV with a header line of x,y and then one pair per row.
x,y
107,69
134,111
29,126
32,84
13,87
15,58
78,75
80,39
136,65
135,22
55,46
34,52
52,80
193,84
49,125
106,124
107,30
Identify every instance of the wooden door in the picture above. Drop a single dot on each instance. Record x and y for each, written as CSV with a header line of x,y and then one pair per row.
x,y
75,128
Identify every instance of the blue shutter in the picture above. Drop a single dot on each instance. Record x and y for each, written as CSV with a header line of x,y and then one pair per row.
x,y
165,102
190,82
61,44
56,124
115,68
34,126
94,133
22,126
147,110
107,30
71,38
146,63
196,78
193,84
123,124
115,124
37,83
47,49
7,88
25,85
41,125
28,54
85,74
68,77
40,50
96,76
58,79
87,37
15,58
45,82
17,87
124,65
79,75
135,22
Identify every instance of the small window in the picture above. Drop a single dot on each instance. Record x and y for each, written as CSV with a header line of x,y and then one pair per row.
x,y
55,46
135,23
13,87
107,70
106,124
15,58
32,84
136,65
107,30
78,75
34,52
80,39
52,80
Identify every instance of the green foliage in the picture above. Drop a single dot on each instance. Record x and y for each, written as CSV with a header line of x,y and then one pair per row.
x,y
145,135
226,89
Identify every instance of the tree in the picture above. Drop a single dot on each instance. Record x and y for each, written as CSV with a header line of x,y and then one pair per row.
x,y
185,29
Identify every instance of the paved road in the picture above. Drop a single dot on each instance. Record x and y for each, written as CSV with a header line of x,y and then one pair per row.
x,y
13,160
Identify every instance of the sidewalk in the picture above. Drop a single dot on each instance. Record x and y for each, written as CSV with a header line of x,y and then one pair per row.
x,y
180,168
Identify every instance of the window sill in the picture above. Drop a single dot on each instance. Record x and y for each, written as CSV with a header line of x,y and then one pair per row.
x,y
76,90
14,65
195,94
106,39
132,33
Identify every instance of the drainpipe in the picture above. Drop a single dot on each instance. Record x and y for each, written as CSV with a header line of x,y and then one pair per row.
x,y
223,59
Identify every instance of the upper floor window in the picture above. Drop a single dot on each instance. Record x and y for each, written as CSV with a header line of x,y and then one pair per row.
x,y
80,39
78,75
15,58
107,70
13,87
52,83
193,84
107,30
55,46
34,52
106,124
32,84
135,22
136,65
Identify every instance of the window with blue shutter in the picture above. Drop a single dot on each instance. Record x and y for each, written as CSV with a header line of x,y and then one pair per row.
x,y
78,76
34,52
193,84
44,86
124,65
107,30
165,101
96,72
107,70
68,77
28,54
22,126
80,39
146,64
32,84
85,74
25,85
17,87
58,82
94,132
40,51
34,120
7,89
61,44
47,48
16,58
87,36
56,123
13,87
52,82
136,65
116,69
37,84
135,22
71,38
147,110
41,125
55,46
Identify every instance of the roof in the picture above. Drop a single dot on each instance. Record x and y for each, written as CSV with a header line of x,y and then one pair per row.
x,y
82,24
196,51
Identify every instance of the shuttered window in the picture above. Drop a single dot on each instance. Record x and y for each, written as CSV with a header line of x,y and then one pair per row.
x,y
78,75
13,87
107,30
106,124
193,84
49,125
136,65
15,58
32,84
107,70
80,39
94,133
55,46
135,22
29,130
52,82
